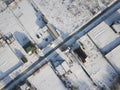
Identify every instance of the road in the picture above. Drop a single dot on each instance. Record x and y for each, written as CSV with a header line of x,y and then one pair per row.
x,y
79,33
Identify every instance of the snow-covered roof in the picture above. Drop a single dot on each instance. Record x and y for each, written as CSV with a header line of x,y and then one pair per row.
x,y
9,24
116,27
32,23
46,79
24,23
21,37
73,72
8,61
96,65
104,37
114,58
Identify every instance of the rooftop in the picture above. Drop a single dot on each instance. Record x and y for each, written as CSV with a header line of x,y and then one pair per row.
x,y
67,15
96,65
8,61
68,72
114,58
104,37
46,79
9,25
116,27
32,22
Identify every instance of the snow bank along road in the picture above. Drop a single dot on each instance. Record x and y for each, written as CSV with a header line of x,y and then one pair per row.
x,y
74,36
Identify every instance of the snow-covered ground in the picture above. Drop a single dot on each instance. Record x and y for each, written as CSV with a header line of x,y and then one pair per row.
x,y
71,72
9,24
13,26
22,20
67,15
32,22
59,16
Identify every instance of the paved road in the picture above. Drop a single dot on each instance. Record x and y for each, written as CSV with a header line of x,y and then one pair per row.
x,y
80,32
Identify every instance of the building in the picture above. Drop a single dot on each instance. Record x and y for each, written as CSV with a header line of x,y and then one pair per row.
x,y
114,58
52,31
100,71
25,35
116,27
15,56
36,28
71,72
46,79
3,6
104,37
8,61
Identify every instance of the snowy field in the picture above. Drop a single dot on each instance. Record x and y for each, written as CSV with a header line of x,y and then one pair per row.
x,y
67,15
8,61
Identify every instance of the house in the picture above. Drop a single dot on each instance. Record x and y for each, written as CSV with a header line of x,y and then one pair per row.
x,y
46,79
114,58
104,37
8,61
